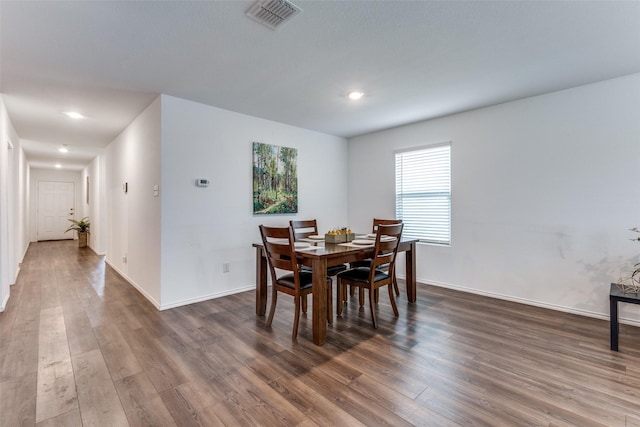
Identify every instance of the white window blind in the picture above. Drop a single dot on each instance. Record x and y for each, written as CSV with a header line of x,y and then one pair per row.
x,y
423,193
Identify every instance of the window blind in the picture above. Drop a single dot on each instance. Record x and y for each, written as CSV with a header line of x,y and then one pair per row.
x,y
423,193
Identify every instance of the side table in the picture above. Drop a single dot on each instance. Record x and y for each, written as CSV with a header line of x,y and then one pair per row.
x,y
616,295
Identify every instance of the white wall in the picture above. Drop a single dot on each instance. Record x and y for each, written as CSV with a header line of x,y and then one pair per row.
x,y
5,131
95,209
133,219
544,191
204,227
38,175
12,204
19,208
23,205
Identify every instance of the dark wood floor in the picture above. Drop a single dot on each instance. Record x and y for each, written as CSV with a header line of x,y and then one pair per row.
x,y
79,346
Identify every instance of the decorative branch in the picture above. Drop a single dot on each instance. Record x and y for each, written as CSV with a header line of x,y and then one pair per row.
x,y
631,284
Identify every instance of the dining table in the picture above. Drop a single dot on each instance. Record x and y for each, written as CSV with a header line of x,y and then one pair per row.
x,y
319,255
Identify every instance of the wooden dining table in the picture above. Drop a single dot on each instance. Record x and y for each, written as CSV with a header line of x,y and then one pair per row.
x,y
328,255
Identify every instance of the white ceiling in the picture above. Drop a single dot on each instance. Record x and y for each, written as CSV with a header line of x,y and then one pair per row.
x,y
415,60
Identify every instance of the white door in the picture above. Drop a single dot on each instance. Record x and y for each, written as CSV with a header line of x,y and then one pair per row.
x,y
55,207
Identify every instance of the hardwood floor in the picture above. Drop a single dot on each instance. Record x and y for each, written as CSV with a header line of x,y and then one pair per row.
x,y
79,346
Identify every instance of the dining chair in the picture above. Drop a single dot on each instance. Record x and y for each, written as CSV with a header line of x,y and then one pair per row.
x,y
302,230
279,247
306,228
372,277
366,262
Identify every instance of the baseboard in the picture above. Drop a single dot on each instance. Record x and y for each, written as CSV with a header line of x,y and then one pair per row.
x,y
135,285
24,254
565,309
96,252
4,302
15,279
208,297
178,303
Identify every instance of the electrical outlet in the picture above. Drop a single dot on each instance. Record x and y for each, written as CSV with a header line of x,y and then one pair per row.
x,y
225,267
124,259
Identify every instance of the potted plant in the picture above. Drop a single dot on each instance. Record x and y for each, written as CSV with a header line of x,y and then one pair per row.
x,y
631,284
82,227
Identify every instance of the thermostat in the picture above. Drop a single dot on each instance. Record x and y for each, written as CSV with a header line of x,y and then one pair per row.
x,y
202,182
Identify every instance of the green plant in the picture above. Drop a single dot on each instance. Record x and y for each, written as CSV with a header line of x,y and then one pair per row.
x,y
81,226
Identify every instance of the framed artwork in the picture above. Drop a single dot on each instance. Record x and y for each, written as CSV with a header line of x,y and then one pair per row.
x,y
275,179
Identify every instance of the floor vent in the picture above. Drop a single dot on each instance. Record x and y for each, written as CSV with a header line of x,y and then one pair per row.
x,y
273,13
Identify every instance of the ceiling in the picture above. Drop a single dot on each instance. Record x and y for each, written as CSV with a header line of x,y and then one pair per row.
x,y
414,60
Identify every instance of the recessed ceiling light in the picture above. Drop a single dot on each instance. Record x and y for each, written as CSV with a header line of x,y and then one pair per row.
x,y
63,149
74,115
58,165
355,95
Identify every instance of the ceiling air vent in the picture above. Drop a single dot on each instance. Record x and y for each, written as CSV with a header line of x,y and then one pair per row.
x,y
273,13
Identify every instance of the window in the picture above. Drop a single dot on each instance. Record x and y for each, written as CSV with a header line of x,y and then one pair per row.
x,y
423,193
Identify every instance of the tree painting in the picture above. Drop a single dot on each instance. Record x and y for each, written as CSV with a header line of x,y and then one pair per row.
x,y
275,179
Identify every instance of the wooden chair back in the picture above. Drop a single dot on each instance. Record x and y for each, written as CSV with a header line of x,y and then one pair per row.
x,y
280,250
378,221
386,247
304,229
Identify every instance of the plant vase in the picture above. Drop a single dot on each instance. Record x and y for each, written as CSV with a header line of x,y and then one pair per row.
x,y
82,238
81,226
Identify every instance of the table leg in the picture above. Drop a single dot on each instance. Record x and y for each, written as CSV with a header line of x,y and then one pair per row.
x,y
613,321
319,271
261,282
410,258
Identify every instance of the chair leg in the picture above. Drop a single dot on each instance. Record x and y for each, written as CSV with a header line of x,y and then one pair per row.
x,y
343,294
372,308
340,294
274,300
330,303
393,301
352,290
304,304
395,285
296,321
361,296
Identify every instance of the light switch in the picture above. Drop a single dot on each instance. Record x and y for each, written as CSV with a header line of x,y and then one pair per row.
x,y
156,191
